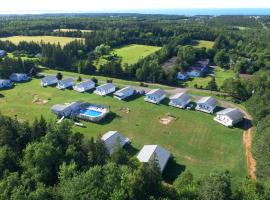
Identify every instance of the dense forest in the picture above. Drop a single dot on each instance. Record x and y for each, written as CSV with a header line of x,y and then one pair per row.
x,y
41,160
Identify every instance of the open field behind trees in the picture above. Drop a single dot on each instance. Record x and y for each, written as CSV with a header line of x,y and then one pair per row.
x,y
198,143
203,43
220,76
46,39
71,30
130,54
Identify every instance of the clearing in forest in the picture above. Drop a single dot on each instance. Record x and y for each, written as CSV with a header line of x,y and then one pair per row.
x,y
46,39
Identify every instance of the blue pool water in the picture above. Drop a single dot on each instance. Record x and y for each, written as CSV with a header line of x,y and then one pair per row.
x,y
91,113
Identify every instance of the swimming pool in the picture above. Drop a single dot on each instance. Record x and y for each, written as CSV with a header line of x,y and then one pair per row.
x,y
90,113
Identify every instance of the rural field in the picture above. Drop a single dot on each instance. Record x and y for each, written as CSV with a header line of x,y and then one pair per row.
x,y
197,142
46,39
131,54
220,76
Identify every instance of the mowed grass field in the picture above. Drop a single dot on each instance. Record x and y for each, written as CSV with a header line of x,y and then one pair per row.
x,y
196,141
46,39
220,76
130,54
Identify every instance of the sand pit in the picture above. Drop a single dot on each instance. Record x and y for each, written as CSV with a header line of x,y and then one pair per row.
x,y
166,120
39,101
125,110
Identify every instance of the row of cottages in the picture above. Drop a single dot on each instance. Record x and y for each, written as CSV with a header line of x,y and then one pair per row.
x,y
155,96
124,93
113,138
229,117
105,89
180,100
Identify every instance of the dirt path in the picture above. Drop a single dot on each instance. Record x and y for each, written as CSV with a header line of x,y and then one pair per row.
x,y
247,139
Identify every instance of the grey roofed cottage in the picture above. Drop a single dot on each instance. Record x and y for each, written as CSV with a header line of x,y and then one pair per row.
x,y
105,89
155,96
180,100
48,80
206,104
66,109
112,137
18,77
229,117
5,83
66,83
84,86
149,151
124,93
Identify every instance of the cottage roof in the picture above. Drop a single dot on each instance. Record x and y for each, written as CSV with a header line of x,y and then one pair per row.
x,y
157,92
182,96
148,151
85,83
49,78
207,100
124,91
111,138
106,86
67,80
232,113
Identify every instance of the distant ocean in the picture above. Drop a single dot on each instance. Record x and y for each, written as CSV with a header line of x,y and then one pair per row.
x,y
210,11
187,12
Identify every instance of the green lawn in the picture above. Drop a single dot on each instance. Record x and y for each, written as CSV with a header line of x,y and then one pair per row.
x,y
131,54
221,75
46,39
204,43
197,142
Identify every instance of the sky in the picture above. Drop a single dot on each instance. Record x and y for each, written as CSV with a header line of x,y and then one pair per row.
x,y
40,6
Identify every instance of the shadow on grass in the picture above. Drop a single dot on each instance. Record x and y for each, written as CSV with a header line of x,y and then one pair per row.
x,y
172,170
132,98
165,101
2,96
132,151
109,118
244,124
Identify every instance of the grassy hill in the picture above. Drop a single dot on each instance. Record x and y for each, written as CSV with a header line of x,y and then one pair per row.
x,y
46,39
197,142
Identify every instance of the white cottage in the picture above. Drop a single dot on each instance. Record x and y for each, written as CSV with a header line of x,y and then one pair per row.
x,y
180,100
229,117
111,139
84,86
149,151
18,77
105,89
5,83
155,96
206,104
124,93
66,109
48,80
65,83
